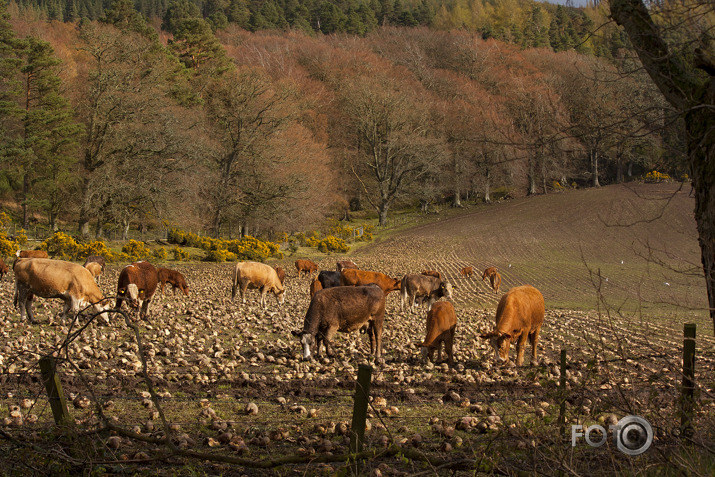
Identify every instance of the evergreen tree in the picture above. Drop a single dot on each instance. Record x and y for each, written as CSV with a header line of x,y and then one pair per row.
x,y
177,12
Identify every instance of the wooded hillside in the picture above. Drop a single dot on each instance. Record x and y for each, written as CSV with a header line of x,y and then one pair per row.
x,y
112,123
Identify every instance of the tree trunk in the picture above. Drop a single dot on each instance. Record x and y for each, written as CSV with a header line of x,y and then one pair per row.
x,y
125,229
84,211
456,200
594,168
99,228
630,169
25,194
487,187
619,171
382,213
216,227
532,176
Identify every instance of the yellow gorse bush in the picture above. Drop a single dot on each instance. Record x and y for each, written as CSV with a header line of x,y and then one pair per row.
x,y
220,250
655,176
65,247
136,250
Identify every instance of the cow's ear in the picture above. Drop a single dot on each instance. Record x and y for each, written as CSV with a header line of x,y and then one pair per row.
x,y
121,291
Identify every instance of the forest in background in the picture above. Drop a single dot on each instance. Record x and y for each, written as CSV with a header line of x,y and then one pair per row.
x,y
116,122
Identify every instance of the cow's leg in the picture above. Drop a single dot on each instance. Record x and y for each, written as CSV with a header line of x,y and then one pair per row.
x,y
145,308
448,346
520,348
534,340
161,285
263,291
328,339
244,287
21,298
377,331
438,342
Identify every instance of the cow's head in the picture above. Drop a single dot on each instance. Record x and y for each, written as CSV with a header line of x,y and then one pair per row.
x,y
307,341
500,342
185,289
446,289
134,295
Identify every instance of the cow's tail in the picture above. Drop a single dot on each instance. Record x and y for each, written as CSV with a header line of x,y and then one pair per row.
x,y
235,283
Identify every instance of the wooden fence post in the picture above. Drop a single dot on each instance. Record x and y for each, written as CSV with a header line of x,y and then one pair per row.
x,y
58,403
362,392
688,388
562,393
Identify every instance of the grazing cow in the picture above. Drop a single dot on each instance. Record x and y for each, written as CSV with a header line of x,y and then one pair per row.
x,y
340,264
353,277
418,285
315,286
31,254
174,278
56,279
494,278
432,273
343,309
307,266
519,316
441,324
95,269
467,272
137,284
95,258
3,268
281,274
259,276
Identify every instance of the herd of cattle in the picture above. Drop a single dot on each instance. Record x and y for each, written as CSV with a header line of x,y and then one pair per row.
x,y
345,300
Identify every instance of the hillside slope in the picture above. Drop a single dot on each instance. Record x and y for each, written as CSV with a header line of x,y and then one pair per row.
x,y
641,237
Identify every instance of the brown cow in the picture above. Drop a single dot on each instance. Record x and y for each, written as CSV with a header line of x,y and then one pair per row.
x,y
307,266
95,269
55,279
432,273
3,269
340,264
441,325
343,309
174,278
519,316
257,275
467,272
418,285
494,278
31,254
281,274
352,277
315,286
137,284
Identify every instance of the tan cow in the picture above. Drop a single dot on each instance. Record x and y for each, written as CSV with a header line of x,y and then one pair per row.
x,y
341,264
259,276
441,325
95,269
519,316
432,273
47,278
31,254
494,278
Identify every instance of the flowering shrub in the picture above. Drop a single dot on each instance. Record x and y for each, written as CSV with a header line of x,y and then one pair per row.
x,y
655,176
96,248
61,246
20,237
159,253
247,248
180,254
7,246
333,244
136,250
219,256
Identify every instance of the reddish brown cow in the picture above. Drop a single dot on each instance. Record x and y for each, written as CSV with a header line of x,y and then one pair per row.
x,y
315,286
432,273
467,272
137,284
281,274
307,266
494,278
31,254
174,278
441,325
343,309
340,264
353,277
520,315
3,268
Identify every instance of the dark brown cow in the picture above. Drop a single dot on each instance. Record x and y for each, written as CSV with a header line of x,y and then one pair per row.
x,y
4,270
343,309
341,264
418,285
432,273
329,279
281,274
467,272
520,315
307,266
353,277
494,278
137,284
95,259
441,325
174,278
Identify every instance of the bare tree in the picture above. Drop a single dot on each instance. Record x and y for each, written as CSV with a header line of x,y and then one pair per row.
x,y
685,74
